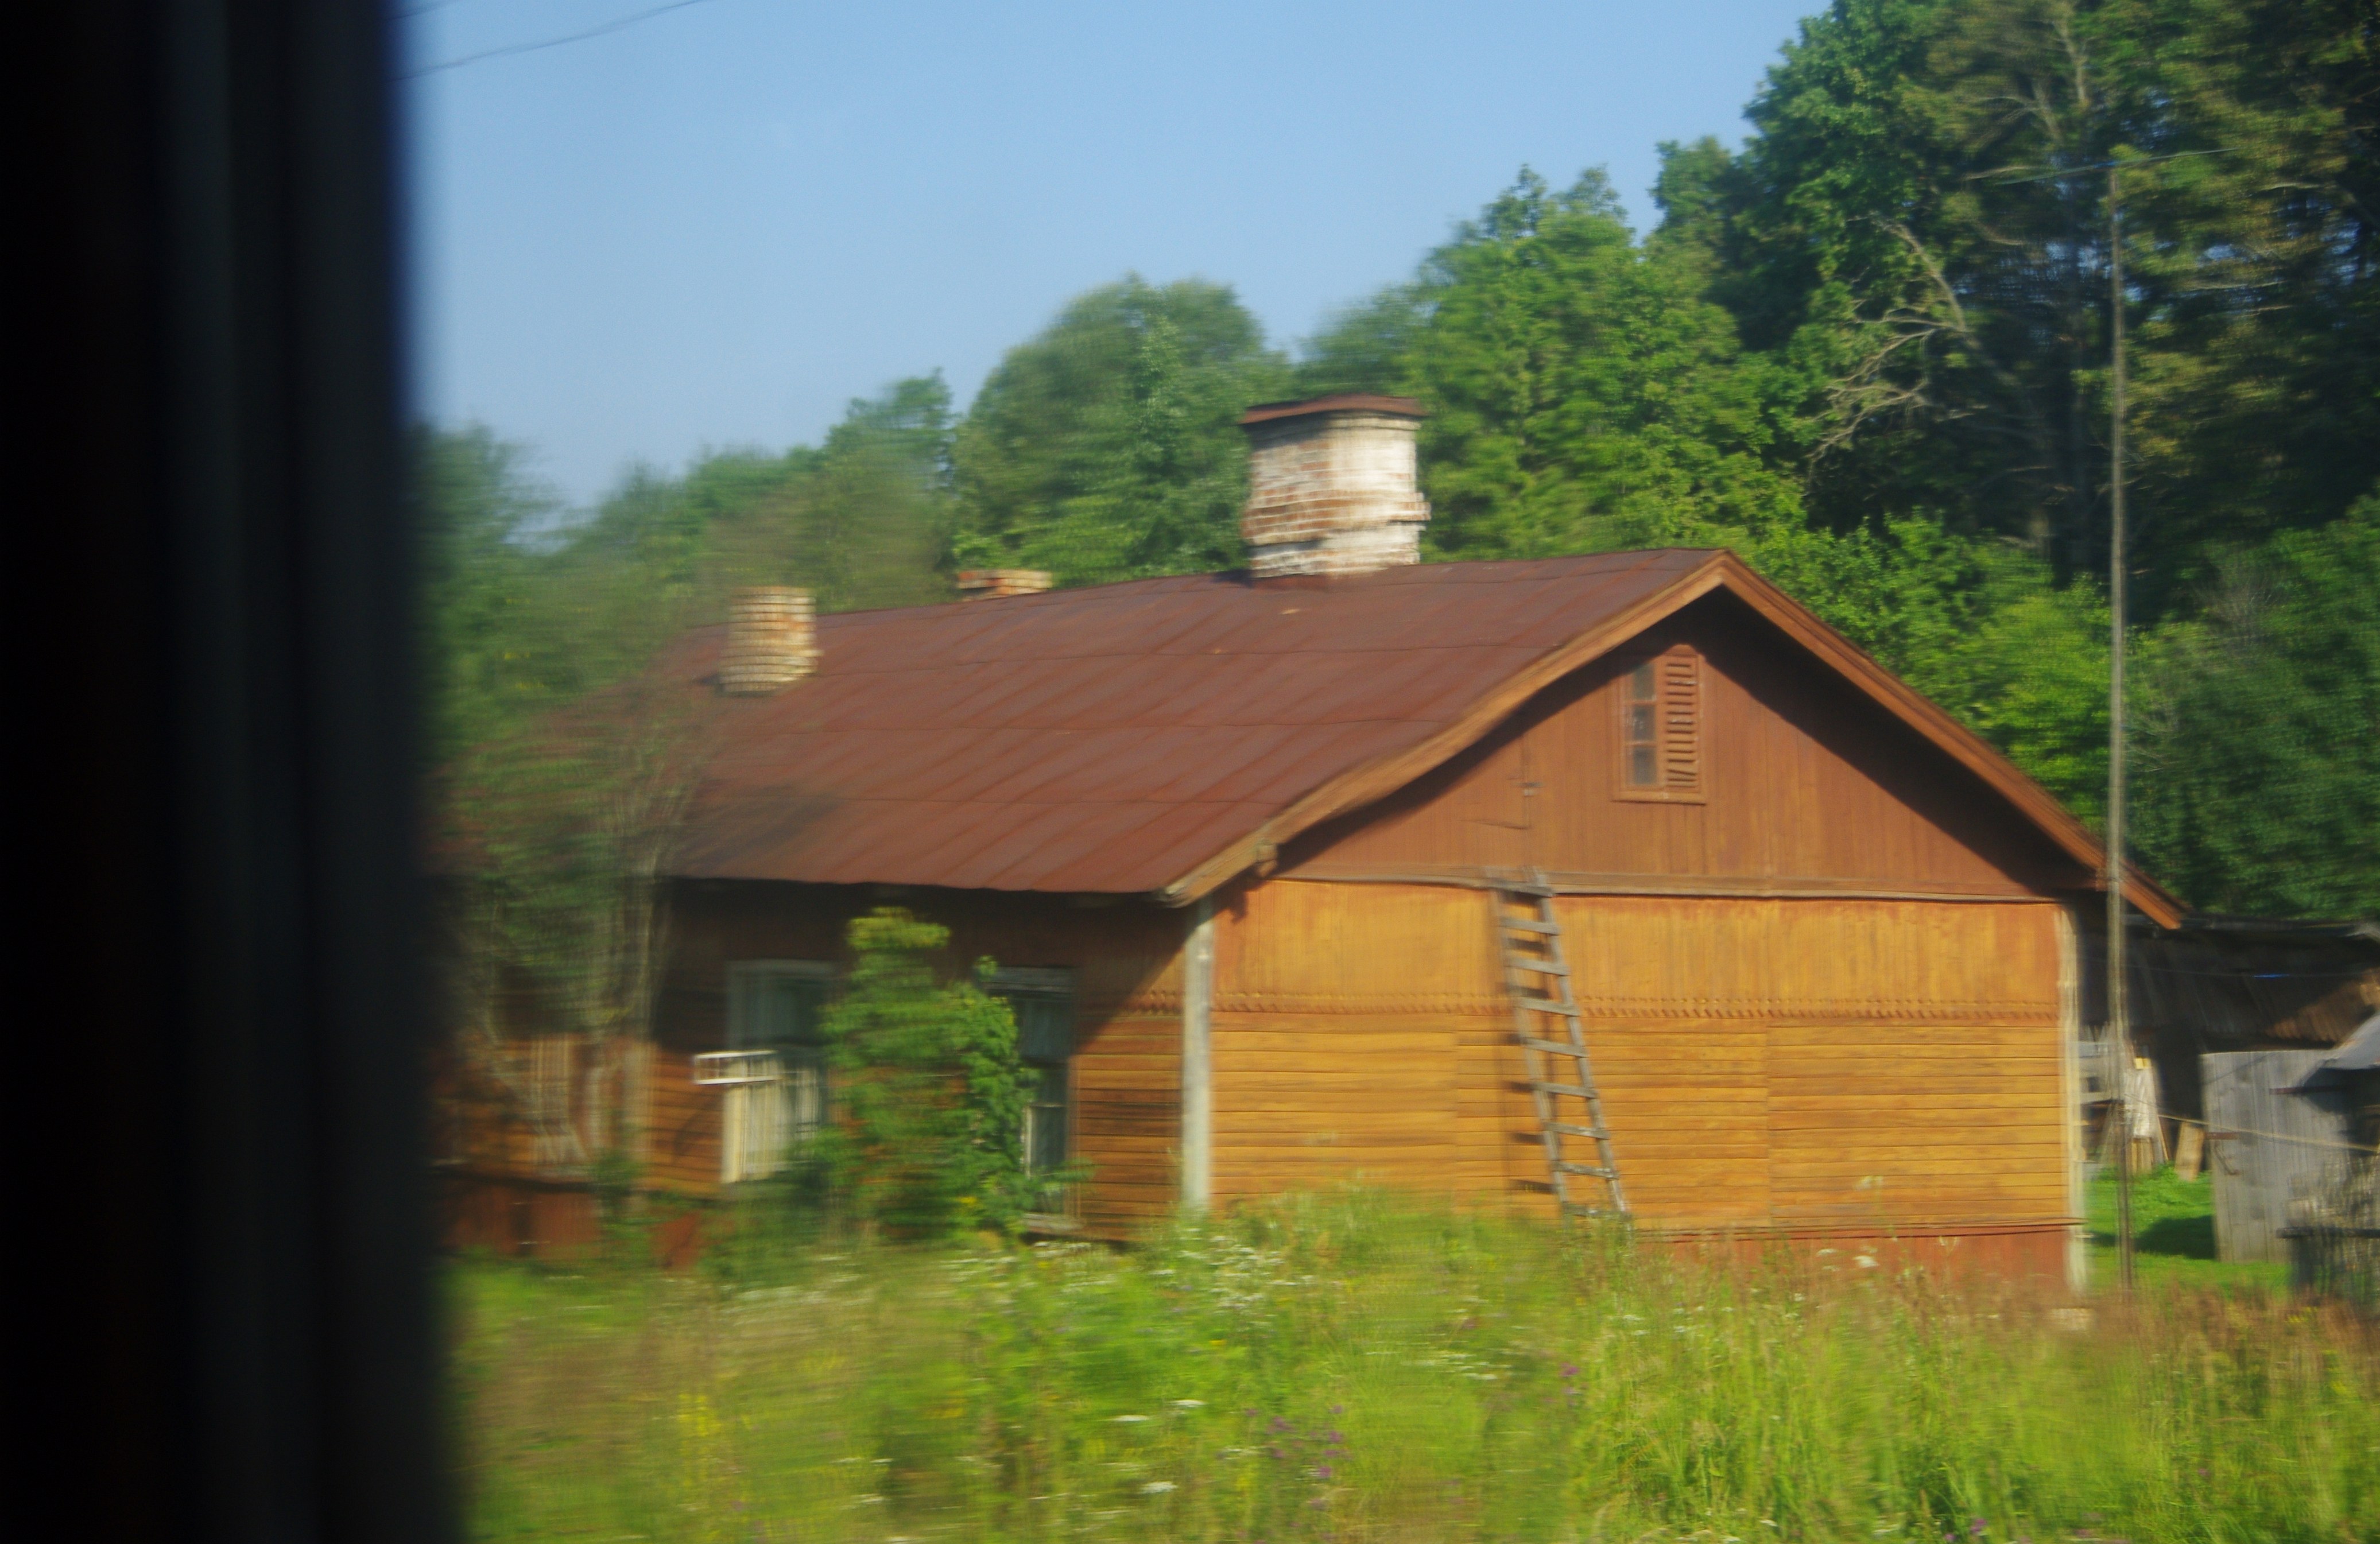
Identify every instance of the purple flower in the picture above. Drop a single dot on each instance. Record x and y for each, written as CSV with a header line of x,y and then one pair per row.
x,y
1337,1409
1279,1424
1569,1370
1322,1473
1976,1528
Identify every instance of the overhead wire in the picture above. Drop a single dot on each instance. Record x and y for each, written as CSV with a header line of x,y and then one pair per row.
x,y
507,50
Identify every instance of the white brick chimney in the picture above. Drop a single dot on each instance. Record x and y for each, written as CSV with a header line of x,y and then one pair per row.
x,y
1331,486
771,641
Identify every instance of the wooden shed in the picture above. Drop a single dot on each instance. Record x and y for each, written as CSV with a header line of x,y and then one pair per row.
x,y
2229,985
1326,871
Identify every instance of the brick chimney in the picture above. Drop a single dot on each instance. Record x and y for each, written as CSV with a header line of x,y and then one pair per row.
x,y
771,641
1331,488
992,584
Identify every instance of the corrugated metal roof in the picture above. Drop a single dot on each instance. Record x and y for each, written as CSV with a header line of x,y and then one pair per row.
x,y
1160,737
1110,739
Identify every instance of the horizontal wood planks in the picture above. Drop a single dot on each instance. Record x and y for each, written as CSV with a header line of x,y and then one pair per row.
x,y
1125,960
1803,779
1764,1063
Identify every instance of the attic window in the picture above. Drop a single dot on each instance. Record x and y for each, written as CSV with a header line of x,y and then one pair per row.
x,y
1661,728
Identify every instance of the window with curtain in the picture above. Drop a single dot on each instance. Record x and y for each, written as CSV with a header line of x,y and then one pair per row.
x,y
779,1006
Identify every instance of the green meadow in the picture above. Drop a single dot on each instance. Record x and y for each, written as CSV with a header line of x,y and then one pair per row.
x,y
1347,1368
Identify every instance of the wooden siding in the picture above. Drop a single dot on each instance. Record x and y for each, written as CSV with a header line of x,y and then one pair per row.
x,y
1767,1064
1126,960
1804,786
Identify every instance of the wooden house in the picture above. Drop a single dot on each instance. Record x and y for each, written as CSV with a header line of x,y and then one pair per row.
x,y
1307,875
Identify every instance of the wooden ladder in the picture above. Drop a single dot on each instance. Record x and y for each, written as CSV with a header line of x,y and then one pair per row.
x,y
1561,1080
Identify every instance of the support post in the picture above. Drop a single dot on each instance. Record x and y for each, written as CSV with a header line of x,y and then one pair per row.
x,y
2120,1038
1198,1060
2071,1091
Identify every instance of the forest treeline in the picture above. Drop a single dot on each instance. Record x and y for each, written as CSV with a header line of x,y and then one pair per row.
x,y
1868,349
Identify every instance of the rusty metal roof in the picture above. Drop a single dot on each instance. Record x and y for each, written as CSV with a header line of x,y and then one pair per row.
x,y
1163,736
1112,738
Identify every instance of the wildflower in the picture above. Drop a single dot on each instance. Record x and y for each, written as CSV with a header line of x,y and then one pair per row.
x,y
1323,1472
1569,1370
1976,1528
1189,1404
1129,1420
1156,1488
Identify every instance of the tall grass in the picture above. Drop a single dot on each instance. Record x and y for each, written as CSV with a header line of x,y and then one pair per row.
x,y
1345,1369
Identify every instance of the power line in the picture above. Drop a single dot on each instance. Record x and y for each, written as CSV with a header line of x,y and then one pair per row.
x,y
619,25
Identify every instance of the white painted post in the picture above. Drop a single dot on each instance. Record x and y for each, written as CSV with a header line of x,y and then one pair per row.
x,y
1198,1060
2070,1077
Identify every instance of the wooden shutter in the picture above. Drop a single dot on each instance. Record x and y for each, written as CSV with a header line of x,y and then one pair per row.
x,y
1682,723
1660,728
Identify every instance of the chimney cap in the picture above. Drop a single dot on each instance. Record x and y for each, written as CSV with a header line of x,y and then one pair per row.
x,y
1341,402
998,584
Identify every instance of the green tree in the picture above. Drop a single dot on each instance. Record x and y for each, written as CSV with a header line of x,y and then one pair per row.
x,y
932,1093
1368,346
1583,393
1107,447
2259,785
479,519
1918,230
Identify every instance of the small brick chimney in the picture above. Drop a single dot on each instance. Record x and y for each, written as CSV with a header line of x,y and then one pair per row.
x,y
1331,486
992,584
771,641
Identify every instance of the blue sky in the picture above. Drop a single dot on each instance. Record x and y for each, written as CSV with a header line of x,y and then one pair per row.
x,y
716,225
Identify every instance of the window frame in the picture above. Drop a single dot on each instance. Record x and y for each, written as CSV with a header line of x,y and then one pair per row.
x,y
1009,983
1661,790
743,978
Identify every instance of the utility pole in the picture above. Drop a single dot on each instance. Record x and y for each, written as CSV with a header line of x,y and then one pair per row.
x,y
2119,1040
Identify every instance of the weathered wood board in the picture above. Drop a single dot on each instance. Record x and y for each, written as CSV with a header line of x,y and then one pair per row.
x,y
2263,1141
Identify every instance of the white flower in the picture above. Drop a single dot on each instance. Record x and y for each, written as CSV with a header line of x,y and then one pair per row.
x,y
1156,1488
1189,1404
1127,1420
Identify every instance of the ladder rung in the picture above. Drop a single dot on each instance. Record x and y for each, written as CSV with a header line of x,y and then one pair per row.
x,y
1533,892
1571,1088
1547,1005
1557,1048
1564,1166
1520,924
1596,1132
1543,968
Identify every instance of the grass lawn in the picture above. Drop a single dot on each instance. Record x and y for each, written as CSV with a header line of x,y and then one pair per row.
x,y
2173,1236
1344,1369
